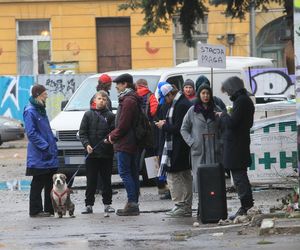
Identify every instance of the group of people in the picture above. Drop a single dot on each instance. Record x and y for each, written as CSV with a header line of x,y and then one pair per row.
x,y
180,121
203,131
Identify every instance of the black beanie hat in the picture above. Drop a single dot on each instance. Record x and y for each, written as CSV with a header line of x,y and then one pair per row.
x,y
37,90
189,82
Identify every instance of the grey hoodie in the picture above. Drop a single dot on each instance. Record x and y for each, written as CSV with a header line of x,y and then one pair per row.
x,y
232,84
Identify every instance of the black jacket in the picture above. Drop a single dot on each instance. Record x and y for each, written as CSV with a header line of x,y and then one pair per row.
x,y
94,128
236,154
180,159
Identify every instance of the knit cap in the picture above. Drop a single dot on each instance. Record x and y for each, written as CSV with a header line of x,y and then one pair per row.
x,y
37,90
189,82
104,78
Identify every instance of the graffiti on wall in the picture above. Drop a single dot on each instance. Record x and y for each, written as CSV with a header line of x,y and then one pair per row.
x,y
15,92
272,82
60,88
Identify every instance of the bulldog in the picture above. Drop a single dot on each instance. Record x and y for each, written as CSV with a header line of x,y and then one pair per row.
x,y
60,196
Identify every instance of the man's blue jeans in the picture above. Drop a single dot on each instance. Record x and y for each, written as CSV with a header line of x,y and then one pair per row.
x,y
129,173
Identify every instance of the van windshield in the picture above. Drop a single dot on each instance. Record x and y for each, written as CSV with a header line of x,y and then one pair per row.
x,y
81,99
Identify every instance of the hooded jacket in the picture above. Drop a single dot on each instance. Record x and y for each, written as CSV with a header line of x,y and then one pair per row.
x,y
42,149
153,103
237,126
201,80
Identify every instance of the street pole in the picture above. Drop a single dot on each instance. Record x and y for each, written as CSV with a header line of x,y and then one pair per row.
x,y
297,81
252,29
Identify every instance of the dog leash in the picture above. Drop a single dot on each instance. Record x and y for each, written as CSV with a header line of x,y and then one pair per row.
x,y
73,176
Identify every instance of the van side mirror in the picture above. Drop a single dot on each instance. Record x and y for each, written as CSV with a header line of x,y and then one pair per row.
x,y
63,104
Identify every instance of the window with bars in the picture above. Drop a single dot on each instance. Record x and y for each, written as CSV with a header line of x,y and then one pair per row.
x,y
34,42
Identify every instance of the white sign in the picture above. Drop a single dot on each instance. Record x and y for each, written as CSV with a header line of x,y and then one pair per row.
x,y
152,166
212,56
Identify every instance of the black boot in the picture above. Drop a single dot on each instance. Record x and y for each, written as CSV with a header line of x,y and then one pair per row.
x,y
240,212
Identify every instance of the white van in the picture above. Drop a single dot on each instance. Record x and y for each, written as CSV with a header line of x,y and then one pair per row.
x,y
66,124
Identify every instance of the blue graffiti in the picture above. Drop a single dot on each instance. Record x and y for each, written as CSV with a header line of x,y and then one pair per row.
x,y
14,94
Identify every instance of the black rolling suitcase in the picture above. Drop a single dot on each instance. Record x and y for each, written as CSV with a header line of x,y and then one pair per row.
x,y
212,204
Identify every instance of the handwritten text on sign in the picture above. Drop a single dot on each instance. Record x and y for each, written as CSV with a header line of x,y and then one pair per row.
x,y
212,56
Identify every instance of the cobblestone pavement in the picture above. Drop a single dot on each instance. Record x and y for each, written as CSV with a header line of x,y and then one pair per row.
x,y
151,230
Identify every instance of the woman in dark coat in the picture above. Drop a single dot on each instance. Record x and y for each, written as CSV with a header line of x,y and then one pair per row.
x,y
237,124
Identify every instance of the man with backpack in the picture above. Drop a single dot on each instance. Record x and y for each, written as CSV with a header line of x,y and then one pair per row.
x,y
125,143
150,102
149,107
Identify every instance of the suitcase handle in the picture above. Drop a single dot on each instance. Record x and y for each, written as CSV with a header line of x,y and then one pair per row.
x,y
205,137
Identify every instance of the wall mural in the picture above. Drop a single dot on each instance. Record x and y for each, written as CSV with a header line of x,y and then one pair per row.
x,y
150,49
272,82
15,92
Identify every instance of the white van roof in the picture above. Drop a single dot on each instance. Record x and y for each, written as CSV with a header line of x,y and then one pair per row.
x,y
234,62
168,71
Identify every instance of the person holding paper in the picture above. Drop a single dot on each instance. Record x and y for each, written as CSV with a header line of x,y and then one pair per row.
x,y
175,156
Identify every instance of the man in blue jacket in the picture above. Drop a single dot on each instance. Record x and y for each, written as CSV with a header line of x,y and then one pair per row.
x,y
41,152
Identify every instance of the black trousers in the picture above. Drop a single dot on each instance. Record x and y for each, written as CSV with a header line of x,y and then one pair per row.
x,y
94,167
38,183
241,181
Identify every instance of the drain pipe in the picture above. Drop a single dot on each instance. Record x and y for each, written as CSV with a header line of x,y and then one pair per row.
x,y
252,29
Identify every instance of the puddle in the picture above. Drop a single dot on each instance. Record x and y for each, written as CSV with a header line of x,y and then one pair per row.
x,y
14,185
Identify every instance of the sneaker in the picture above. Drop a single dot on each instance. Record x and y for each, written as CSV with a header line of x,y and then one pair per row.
x,y
88,210
240,212
130,209
108,209
40,215
180,212
172,210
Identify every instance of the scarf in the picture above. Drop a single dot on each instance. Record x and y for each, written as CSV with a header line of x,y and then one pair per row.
x,y
207,112
165,163
125,92
41,108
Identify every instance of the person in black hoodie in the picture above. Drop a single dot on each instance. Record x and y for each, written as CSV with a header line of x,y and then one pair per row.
x,y
95,126
218,101
236,155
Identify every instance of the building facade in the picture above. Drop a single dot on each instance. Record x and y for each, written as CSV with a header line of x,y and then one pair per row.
x,y
43,36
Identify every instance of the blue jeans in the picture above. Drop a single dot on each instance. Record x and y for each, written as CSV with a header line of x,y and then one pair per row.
x,y
129,172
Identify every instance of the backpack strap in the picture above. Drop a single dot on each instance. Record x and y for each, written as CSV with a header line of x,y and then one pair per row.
x,y
147,104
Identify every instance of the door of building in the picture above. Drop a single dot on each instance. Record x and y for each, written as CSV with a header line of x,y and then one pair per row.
x,y
113,44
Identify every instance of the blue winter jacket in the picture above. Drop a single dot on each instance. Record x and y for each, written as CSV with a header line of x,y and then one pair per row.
x,y
42,149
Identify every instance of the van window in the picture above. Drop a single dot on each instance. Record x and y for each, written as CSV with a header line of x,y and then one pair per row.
x,y
176,80
81,99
